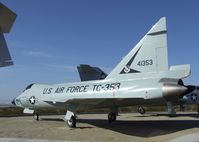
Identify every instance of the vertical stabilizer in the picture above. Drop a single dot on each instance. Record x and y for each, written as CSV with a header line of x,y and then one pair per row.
x,y
149,55
7,18
5,58
87,73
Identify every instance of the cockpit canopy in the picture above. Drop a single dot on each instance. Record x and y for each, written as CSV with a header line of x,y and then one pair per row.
x,y
28,87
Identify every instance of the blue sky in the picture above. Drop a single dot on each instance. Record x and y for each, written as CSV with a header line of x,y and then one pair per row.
x,y
51,37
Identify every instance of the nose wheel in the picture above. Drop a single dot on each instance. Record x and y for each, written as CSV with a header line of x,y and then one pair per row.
x,y
141,110
72,122
198,109
36,116
112,117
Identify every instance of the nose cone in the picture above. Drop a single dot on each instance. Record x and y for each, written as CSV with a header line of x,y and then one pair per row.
x,y
13,102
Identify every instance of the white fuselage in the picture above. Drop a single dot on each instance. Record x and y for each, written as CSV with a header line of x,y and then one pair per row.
x,y
120,91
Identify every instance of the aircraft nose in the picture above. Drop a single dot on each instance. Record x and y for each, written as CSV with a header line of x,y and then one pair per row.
x,y
13,102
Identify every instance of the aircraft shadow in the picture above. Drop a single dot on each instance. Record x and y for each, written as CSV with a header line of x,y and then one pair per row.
x,y
142,128
61,120
194,115
51,119
149,128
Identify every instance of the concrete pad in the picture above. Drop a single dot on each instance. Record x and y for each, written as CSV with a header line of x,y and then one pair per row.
x,y
30,140
95,127
187,138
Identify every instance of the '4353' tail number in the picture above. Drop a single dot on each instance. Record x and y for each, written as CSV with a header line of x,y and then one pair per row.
x,y
145,62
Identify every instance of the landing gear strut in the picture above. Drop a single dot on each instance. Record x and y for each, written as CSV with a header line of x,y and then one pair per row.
x,y
171,109
70,116
112,117
182,107
36,116
141,110
72,122
198,109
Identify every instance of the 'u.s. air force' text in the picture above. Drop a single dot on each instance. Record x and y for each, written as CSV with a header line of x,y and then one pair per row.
x,y
82,88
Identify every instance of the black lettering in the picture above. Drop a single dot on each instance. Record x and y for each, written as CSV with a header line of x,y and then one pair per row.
x,y
94,87
60,90
77,89
85,88
81,88
97,87
68,89
72,89
47,90
118,86
107,87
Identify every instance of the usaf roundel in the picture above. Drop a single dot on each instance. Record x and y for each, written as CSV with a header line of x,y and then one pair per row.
x,y
194,97
32,100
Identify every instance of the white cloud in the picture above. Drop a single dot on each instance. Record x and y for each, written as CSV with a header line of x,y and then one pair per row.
x,y
70,68
40,54
106,69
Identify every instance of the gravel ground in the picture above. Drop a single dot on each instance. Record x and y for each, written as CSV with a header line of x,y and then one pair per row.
x,y
95,127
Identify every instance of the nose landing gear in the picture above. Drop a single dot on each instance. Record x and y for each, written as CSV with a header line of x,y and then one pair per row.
x,y
112,117
36,116
141,110
72,122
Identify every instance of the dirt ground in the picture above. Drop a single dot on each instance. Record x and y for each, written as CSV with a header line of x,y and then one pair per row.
x,y
95,127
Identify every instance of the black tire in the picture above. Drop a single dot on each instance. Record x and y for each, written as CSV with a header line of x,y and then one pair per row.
x,y
141,110
36,116
111,117
72,122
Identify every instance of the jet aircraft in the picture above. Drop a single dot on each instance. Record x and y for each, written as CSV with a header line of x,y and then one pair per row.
x,y
7,18
142,77
87,72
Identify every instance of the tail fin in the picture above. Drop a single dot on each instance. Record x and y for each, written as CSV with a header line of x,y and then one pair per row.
x,y
87,73
149,55
7,18
5,58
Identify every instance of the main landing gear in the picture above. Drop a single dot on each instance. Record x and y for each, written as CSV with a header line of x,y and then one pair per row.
x,y
141,110
198,109
36,116
112,117
171,109
72,122
70,116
